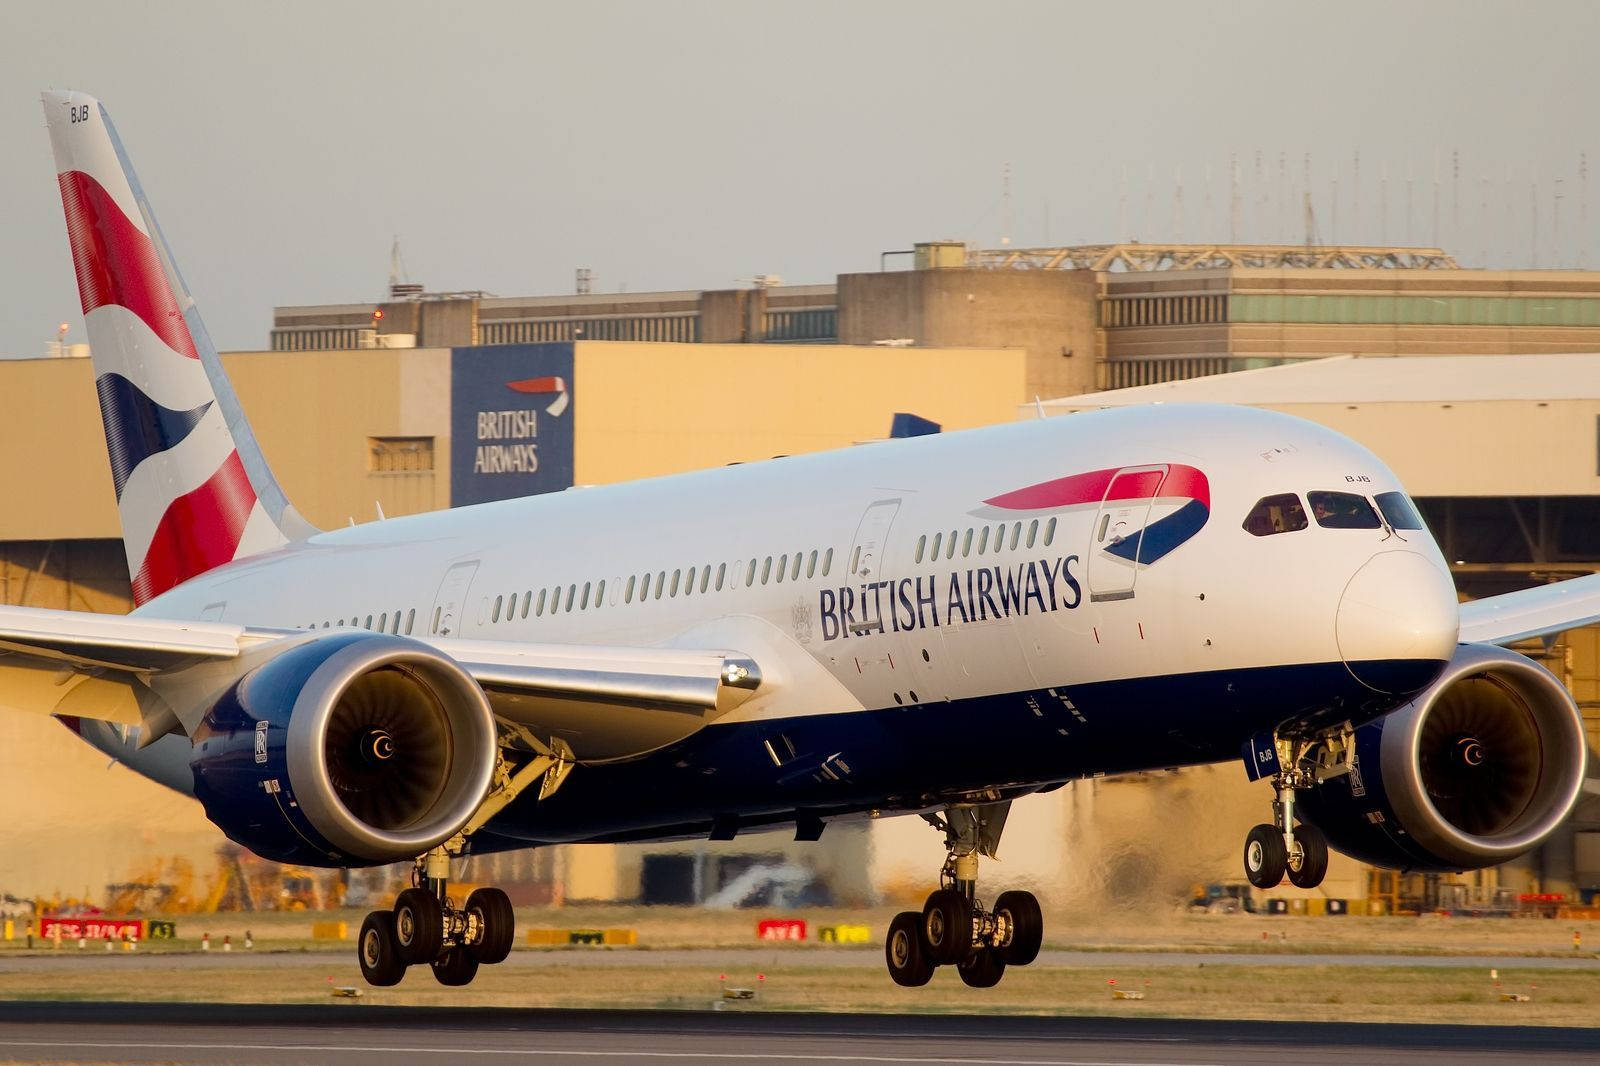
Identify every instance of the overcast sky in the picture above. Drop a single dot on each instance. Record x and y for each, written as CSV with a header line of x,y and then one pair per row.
x,y
694,145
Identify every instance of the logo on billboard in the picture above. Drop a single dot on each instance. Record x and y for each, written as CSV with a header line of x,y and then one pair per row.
x,y
510,436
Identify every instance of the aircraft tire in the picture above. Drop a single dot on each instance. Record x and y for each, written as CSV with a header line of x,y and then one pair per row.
x,y
418,926
1027,927
378,951
905,951
1313,864
493,908
1265,856
947,926
982,969
455,967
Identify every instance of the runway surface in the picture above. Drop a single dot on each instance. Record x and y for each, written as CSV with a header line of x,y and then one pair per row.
x,y
360,1035
69,959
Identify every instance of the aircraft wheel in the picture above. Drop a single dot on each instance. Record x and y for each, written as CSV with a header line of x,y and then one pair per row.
x,y
1027,927
493,909
378,951
418,926
1265,856
905,951
947,926
982,969
1311,866
455,967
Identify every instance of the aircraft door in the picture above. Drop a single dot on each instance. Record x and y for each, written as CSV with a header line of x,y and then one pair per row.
x,y
866,559
1119,530
449,605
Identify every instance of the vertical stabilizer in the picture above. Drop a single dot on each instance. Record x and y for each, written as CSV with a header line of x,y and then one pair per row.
x,y
193,489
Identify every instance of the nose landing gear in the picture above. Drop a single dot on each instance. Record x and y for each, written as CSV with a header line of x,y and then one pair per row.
x,y
955,928
1300,851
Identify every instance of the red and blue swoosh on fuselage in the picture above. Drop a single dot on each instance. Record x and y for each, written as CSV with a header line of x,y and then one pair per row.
x,y
1169,483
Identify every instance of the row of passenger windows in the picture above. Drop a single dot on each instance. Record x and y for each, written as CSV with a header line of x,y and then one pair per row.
x,y
382,623
984,539
679,582
1284,513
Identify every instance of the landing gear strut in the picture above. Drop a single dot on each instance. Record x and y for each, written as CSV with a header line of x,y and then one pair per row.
x,y
1301,851
426,925
955,928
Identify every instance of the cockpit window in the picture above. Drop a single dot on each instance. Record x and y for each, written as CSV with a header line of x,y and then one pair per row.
x,y
1343,510
1399,511
1276,514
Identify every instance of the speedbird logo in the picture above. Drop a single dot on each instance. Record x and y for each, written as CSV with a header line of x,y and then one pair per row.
x,y
1169,504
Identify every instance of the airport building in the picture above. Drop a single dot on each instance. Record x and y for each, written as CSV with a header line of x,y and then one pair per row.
x,y
429,400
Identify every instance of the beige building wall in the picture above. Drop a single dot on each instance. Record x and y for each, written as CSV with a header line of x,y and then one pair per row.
x,y
648,409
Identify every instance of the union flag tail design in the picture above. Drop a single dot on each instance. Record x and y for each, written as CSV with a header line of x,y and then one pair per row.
x,y
193,489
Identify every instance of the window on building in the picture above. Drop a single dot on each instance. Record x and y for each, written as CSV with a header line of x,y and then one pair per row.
x,y
399,455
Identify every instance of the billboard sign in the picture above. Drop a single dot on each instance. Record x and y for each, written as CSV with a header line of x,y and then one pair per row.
x,y
511,410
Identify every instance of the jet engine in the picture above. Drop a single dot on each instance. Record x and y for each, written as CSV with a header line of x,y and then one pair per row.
x,y
351,749
1478,769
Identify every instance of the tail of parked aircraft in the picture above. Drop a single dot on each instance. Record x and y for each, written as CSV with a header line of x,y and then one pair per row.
x,y
193,489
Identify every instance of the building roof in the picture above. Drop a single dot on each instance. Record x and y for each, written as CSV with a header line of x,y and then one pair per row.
x,y
1372,379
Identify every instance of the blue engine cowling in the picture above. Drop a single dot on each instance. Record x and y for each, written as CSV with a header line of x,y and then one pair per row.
x,y
1478,769
351,749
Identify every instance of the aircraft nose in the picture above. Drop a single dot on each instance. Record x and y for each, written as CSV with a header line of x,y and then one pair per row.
x,y
1398,622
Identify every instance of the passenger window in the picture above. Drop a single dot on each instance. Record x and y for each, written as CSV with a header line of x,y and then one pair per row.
x,y
689,585
527,598
368,623
677,576
661,582
1276,514
766,569
600,594
750,574
435,628
827,562
950,548
1049,532
983,541
722,569
572,595
584,606
498,600
966,544
922,542
1342,510
1000,537
811,564
783,565
1399,511
855,560
1016,535
938,542
627,593
705,577
539,610
1033,531
411,616
383,621
794,573
555,600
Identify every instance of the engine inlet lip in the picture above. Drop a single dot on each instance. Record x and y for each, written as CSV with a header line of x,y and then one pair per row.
x,y
1548,703
470,771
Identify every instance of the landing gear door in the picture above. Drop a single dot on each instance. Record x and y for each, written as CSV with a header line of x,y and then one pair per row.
x,y
872,538
450,603
1119,530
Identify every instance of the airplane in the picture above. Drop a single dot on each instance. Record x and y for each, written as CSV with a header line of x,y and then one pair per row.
x,y
935,625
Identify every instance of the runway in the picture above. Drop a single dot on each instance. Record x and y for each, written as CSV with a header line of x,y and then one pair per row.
x,y
360,1035
68,959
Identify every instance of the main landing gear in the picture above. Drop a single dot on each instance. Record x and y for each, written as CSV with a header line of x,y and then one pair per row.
x,y
954,928
1300,851
427,927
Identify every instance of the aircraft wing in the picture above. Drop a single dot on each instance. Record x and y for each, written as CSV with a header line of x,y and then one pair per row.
x,y
606,701
1534,612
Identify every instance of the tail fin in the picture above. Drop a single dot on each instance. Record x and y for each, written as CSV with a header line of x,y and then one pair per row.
x,y
193,489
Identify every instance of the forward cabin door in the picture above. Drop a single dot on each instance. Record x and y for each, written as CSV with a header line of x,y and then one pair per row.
x,y
1119,530
872,539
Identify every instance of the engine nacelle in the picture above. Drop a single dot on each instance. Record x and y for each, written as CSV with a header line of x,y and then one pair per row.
x,y
1478,769
351,749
